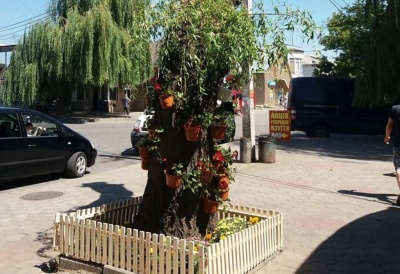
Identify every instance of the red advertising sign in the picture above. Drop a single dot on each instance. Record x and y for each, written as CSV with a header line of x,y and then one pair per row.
x,y
279,124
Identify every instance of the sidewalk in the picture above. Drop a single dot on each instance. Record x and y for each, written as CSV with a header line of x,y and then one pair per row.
x,y
336,196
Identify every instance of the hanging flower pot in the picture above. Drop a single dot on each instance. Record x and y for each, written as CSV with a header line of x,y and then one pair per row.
x,y
145,163
167,100
193,133
144,152
152,134
219,167
224,194
173,181
210,206
206,176
148,101
218,131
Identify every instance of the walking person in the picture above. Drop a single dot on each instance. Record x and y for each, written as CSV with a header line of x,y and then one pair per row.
x,y
393,124
125,102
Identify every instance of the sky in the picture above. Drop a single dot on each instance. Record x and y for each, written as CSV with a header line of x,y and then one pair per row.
x,y
14,15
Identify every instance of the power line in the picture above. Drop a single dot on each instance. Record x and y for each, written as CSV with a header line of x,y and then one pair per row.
x,y
24,24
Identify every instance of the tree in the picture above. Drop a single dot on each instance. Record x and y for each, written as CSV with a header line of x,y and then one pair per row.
x,y
346,31
200,43
324,67
379,84
87,43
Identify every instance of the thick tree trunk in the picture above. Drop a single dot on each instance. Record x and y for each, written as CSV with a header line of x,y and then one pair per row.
x,y
175,212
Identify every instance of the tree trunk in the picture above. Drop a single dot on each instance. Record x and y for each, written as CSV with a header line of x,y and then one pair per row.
x,y
177,212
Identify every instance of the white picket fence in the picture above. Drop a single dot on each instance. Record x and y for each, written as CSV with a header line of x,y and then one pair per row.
x,y
98,235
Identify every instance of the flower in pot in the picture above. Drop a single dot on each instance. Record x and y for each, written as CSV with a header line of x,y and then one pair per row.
x,y
144,151
193,130
219,124
206,169
167,98
223,187
210,199
174,175
223,161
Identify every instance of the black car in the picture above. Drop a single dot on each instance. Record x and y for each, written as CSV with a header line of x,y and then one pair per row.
x,y
32,144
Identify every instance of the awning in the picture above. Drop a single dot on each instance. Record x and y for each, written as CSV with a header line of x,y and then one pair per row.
x,y
282,84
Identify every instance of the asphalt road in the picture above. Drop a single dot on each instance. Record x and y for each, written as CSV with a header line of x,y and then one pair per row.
x,y
111,137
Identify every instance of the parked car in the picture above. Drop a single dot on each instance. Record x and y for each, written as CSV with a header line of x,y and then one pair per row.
x,y
140,127
48,146
320,106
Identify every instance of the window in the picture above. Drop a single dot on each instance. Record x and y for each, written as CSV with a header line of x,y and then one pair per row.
x,y
80,96
295,65
114,93
9,126
39,126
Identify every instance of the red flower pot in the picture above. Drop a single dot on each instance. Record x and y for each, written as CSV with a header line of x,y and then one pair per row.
x,y
210,206
193,133
166,101
218,131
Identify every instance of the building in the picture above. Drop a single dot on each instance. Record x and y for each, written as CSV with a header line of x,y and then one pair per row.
x,y
273,83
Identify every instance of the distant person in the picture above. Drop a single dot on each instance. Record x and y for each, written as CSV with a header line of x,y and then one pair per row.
x,y
286,99
393,124
125,102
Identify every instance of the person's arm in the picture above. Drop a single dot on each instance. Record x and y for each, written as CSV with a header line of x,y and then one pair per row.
x,y
388,131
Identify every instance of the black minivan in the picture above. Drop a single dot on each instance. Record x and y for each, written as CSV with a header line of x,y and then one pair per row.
x,y
32,144
320,106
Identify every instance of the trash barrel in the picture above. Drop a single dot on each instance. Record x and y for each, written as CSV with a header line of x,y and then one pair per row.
x,y
266,149
245,150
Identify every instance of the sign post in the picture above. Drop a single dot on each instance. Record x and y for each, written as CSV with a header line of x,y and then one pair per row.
x,y
279,124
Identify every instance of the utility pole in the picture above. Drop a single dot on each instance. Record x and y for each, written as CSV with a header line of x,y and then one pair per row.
x,y
248,141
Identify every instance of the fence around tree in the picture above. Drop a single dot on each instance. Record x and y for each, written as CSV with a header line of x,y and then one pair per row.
x,y
100,235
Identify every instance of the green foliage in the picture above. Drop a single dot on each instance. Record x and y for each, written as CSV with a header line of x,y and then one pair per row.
x,y
177,169
346,31
191,180
94,42
379,83
144,142
366,35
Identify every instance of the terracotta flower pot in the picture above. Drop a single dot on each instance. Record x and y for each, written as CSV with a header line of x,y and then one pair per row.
x,y
210,206
145,163
219,167
223,180
218,131
148,101
193,133
173,181
166,101
224,194
152,134
144,152
206,176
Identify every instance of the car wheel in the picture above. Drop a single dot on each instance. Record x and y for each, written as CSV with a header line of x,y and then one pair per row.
x,y
320,130
76,165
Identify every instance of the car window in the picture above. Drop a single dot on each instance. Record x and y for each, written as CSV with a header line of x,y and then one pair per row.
x,y
9,126
39,126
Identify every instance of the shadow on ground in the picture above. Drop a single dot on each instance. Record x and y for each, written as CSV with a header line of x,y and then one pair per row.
x,y
370,244
347,146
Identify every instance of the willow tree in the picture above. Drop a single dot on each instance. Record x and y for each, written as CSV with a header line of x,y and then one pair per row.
x,y
379,83
85,43
200,43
